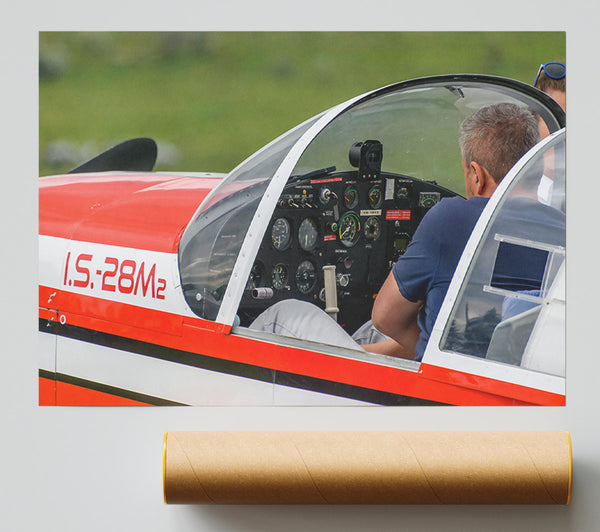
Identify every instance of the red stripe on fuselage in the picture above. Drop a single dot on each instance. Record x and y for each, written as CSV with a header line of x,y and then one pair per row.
x,y
210,339
143,211
46,392
484,384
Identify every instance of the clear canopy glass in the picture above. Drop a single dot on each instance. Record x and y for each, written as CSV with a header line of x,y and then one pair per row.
x,y
211,243
419,128
417,123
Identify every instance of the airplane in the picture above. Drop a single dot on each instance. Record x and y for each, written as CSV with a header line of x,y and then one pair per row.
x,y
149,282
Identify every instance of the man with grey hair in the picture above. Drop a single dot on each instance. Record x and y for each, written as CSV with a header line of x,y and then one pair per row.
x,y
492,140
497,136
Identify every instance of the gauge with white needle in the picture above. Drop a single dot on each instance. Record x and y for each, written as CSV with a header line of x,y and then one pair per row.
x,y
349,230
307,234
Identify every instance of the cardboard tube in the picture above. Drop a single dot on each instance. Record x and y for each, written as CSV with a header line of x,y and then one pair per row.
x,y
367,468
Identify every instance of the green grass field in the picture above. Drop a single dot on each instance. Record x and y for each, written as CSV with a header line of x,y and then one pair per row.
x,y
212,99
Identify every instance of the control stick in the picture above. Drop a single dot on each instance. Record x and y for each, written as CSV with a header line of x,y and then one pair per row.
x,y
330,291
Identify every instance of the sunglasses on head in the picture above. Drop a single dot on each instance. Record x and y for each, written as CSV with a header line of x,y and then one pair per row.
x,y
552,70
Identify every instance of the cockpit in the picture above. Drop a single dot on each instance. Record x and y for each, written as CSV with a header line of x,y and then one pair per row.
x,y
322,213
348,226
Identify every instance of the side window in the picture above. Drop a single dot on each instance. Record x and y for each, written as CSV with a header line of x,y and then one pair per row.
x,y
514,287
211,243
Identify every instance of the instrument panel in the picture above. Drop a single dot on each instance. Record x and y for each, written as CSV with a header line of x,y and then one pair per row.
x,y
360,226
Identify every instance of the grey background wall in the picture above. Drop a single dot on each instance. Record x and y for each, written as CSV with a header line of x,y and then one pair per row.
x,y
100,468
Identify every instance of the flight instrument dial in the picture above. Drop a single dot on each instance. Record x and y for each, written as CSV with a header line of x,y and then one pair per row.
x,y
306,277
308,233
281,234
349,230
351,197
375,197
372,228
279,276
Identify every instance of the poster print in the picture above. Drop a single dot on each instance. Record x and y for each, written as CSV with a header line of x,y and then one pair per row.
x,y
268,283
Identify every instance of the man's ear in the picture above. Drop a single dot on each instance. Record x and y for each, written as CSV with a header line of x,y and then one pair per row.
x,y
482,181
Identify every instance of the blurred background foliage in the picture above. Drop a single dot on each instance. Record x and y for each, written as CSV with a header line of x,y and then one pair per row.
x,y
210,99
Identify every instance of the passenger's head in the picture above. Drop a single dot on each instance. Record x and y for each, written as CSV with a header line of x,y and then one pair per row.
x,y
551,78
493,139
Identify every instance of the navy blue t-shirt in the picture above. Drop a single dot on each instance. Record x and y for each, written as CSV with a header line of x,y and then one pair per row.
x,y
424,272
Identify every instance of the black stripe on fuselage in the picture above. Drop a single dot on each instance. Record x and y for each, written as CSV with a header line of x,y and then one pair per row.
x,y
104,388
219,365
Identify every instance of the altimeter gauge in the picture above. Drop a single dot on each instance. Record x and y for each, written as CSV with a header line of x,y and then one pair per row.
x,y
308,233
306,277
